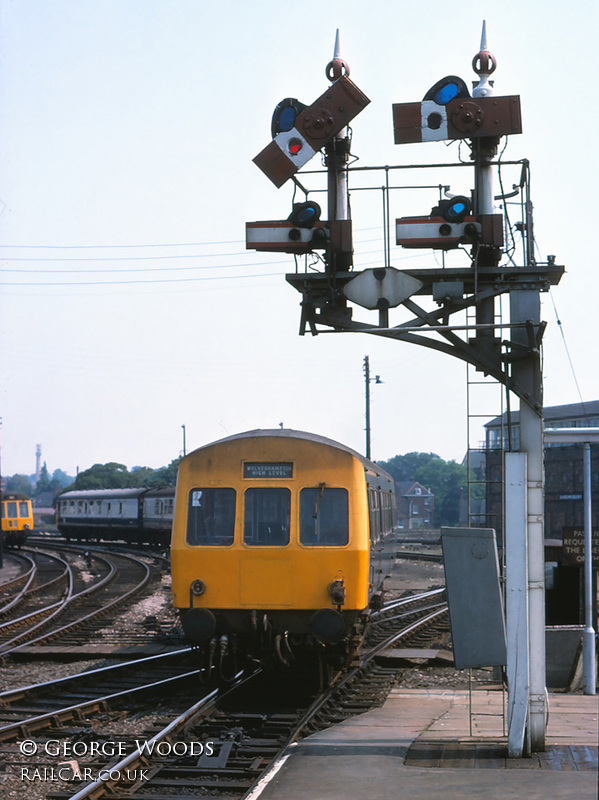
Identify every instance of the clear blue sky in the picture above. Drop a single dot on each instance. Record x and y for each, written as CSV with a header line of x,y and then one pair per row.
x,y
128,303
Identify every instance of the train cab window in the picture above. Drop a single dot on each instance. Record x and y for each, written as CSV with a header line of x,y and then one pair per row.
x,y
11,510
267,517
23,509
324,517
211,517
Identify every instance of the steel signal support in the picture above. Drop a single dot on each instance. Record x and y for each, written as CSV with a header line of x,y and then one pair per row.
x,y
516,603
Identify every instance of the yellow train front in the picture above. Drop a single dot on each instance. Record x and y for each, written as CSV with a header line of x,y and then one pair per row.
x,y
17,518
281,541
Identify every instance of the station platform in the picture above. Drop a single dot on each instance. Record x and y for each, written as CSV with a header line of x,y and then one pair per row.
x,y
429,743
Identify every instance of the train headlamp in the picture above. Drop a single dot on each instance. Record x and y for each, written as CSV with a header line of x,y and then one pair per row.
x,y
198,587
337,592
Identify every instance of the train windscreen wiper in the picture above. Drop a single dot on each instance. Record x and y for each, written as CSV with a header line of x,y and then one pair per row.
x,y
321,487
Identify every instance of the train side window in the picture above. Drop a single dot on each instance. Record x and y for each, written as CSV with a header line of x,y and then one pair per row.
x,y
267,517
375,530
211,517
324,517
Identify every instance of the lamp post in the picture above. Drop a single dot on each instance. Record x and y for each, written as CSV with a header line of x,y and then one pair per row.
x,y
184,448
367,380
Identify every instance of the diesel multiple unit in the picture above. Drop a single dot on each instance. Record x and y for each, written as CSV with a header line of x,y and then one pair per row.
x,y
281,540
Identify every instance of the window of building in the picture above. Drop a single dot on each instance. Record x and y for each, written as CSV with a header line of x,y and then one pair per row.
x,y
211,517
266,517
324,517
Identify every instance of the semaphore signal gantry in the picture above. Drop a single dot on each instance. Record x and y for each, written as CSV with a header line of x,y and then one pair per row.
x,y
510,351
448,112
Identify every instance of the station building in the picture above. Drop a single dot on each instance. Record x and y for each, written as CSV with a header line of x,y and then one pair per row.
x,y
564,507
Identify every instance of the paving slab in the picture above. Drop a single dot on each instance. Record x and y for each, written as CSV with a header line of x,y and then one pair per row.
x,y
364,757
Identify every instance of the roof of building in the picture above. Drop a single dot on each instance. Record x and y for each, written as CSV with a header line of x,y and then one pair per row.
x,y
554,413
408,488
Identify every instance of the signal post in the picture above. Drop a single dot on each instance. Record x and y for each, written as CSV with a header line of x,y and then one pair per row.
x,y
509,352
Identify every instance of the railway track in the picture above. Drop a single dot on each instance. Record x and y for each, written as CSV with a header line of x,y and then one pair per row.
x,y
43,574
31,709
230,738
83,597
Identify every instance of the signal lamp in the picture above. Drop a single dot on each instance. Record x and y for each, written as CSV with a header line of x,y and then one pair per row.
x,y
446,90
453,210
285,114
294,145
305,215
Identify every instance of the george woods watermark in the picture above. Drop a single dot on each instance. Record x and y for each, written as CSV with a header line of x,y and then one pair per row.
x,y
70,770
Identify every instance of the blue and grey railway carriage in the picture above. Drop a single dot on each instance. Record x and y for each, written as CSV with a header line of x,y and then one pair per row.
x,y
130,515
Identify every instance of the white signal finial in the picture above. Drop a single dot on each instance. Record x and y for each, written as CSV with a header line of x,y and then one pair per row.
x,y
337,50
483,64
337,67
483,38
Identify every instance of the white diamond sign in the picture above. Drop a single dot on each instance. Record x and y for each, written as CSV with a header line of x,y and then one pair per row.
x,y
386,284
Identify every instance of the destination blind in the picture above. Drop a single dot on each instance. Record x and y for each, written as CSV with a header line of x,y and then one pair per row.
x,y
255,469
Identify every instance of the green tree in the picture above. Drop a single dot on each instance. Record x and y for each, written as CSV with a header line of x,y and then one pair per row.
x,y
19,484
61,478
166,476
447,480
117,476
43,482
104,476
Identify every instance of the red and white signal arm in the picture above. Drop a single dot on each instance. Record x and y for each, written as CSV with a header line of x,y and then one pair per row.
x,y
439,234
283,237
461,118
435,232
314,127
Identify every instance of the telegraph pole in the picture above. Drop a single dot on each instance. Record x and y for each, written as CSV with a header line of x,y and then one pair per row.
x,y
367,380
367,388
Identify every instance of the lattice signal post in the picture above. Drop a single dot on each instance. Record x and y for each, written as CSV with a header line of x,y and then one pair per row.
x,y
509,352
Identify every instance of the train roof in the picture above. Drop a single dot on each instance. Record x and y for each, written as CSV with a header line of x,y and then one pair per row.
x,y
99,494
289,433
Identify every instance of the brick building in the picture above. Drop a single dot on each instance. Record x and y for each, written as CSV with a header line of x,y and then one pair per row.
x,y
415,505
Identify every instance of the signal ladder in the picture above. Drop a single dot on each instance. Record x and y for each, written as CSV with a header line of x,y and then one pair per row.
x,y
485,401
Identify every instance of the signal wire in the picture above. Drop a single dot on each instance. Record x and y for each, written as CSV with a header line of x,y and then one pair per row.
x,y
561,329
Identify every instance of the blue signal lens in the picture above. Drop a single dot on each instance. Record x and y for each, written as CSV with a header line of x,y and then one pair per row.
x,y
457,209
286,119
305,215
446,93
